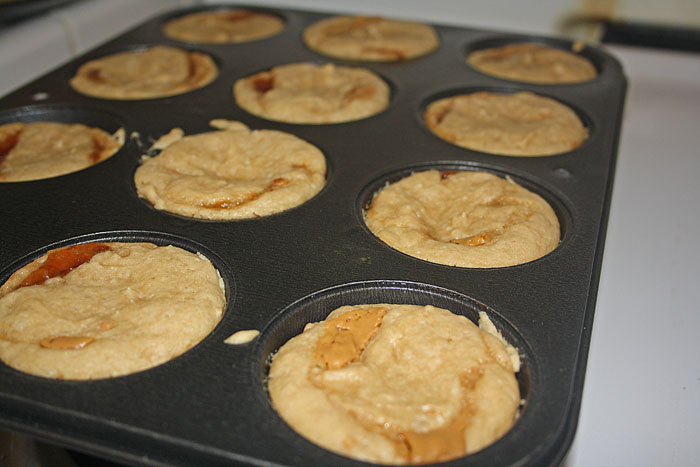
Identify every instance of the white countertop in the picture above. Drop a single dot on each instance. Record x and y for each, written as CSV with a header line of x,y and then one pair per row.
x,y
641,401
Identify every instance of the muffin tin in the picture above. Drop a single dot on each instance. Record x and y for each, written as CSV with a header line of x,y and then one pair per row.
x,y
209,406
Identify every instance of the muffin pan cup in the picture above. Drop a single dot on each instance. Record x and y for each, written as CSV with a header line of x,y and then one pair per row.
x,y
209,406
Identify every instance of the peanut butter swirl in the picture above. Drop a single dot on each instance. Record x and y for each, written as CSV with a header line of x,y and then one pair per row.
x,y
347,336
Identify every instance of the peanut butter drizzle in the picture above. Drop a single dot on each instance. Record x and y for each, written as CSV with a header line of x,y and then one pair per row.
x,y
483,238
359,92
362,21
358,22
95,76
8,143
264,82
66,342
97,150
498,54
440,116
435,118
443,443
60,262
238,15
447,173
192,68
231,204
475,240
346,337
394,53
197,71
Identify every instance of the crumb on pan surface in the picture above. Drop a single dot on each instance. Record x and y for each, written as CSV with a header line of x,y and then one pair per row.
x,y
38,150
519,124
463,218
224,26
158,71
233,173
308,93
534,63
241,337
370,38
396,384
99,310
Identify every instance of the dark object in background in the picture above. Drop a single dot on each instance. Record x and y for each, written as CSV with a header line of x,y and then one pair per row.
x,y
16,10
651,35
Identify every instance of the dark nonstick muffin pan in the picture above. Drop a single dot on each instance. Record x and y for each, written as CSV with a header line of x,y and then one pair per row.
x,y
209,406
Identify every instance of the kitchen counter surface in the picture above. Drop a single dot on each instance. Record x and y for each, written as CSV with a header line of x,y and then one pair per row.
x,y
642,391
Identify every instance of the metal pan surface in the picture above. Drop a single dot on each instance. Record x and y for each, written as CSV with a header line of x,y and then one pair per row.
x,y
209,406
